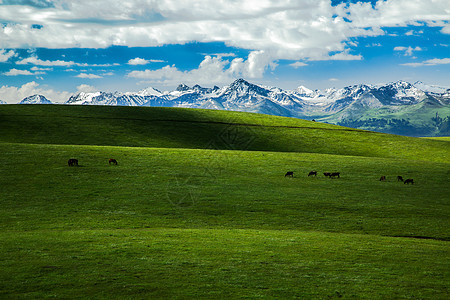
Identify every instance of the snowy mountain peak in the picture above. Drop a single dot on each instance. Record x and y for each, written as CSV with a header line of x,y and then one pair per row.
x,y
241,87
148,92
304,91
400,84
35,99
182,87
240,84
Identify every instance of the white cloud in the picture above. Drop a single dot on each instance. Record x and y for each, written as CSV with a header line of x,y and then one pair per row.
x,y
33,60
344,55
88,76
429,62
138,61
412,32
446,29
212,70
141,61
5,56
393,13
408,50
41,69
86,88
16,72
283,29
298,64
286,29
438,61
36,61
12,94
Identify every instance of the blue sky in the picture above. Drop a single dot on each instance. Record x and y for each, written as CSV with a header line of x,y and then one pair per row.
x,y
57,48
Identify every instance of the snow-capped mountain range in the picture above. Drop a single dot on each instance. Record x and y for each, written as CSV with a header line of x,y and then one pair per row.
x,y
302,102
332,105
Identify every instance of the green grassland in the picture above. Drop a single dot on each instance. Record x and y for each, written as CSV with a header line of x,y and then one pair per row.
x,y
198,207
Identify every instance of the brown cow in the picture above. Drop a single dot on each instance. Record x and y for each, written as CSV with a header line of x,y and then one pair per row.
x,y
112,161
383,178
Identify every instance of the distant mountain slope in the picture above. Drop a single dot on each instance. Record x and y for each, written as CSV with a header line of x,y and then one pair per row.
x,y
201,129
399,107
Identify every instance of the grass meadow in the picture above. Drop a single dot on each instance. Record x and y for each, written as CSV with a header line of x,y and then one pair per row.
x,y
198,207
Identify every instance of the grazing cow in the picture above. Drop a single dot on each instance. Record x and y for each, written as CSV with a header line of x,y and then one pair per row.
x,y
312,173
289,174
383,178
72,162
408,181
112,161
333,175
399,178
327,174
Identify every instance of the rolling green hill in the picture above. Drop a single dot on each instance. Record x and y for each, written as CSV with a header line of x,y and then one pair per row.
x,y
198,207
201,129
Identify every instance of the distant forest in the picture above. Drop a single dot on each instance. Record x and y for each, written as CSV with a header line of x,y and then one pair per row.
x,y
437,126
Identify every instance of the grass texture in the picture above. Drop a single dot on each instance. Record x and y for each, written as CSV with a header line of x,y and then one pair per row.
x,y
198,207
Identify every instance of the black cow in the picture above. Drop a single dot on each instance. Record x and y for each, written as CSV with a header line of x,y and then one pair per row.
x,y
327,174
399,178
112,161
312,173
333,175
383,178
72,162
289,174
408,181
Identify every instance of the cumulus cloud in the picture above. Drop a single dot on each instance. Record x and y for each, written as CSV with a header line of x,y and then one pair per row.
x,y
141,61
429,62
212,70
408,51
393,13
88,76
86,88
138,61
12,94
287,29
5,56
298,64
33,60
16,72
36,61
306,30
41,69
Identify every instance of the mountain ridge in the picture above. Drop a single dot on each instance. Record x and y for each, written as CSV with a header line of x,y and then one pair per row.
x,y
349,106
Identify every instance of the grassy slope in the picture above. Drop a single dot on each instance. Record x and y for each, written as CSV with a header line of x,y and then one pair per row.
x,y
190,128
202,223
